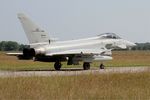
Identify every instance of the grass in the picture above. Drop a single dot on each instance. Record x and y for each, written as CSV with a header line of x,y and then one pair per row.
x,y
133,86
129,59
12,63
119,86
121,59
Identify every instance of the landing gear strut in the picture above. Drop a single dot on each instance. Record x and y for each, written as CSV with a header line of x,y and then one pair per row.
x,y
57,65
86,65
101,66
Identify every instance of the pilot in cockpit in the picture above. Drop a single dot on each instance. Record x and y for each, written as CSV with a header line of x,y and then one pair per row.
x,y
109,36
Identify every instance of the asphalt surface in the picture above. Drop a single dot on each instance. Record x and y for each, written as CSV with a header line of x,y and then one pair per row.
x,y
72,71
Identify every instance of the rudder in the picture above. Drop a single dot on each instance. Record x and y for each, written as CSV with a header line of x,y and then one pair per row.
x,y
34,33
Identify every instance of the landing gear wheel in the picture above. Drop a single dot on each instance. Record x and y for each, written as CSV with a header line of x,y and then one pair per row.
x,y
102,66
86,66
57,65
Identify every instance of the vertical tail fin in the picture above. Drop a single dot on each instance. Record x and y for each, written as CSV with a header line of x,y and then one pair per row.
x,y
33,32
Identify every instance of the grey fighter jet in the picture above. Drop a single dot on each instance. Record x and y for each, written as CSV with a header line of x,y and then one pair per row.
x,y
44,48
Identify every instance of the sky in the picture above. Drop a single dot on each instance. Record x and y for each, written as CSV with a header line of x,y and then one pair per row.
x,y
74,19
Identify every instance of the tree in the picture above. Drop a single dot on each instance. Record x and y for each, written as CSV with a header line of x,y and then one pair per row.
x,y
22,46
9,46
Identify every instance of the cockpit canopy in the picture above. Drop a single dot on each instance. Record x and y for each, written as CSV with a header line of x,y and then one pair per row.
x,y
109,36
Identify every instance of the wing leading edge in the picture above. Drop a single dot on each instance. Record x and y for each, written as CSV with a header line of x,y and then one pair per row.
x,y
15,54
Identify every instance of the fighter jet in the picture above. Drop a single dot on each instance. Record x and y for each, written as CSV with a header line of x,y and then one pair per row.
x,y
87,50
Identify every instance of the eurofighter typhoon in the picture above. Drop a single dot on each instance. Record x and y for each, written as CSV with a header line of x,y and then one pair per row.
x,y
87,50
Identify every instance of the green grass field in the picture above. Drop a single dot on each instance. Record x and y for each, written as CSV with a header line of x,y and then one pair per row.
x,y
121,59
133,86
119,86
130,58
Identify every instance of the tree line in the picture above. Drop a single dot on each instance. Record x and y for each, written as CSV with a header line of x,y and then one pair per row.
x,y
15,46
11,46
142,46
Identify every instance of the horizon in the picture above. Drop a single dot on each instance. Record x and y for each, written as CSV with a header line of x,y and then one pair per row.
x,y
69,19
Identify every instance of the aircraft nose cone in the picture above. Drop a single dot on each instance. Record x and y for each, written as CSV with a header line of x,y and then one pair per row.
x,y
131,44
134,44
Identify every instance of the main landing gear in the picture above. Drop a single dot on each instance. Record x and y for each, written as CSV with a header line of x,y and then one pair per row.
x,y
86,65
101,66
57,65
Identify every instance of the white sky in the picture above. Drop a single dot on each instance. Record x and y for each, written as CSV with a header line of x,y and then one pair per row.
x,y
73,19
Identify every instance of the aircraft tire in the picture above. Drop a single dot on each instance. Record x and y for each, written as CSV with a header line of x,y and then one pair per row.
x,y
101,66
57,65
86,65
